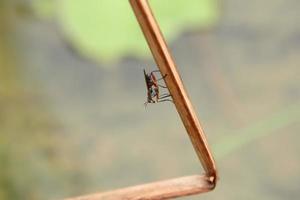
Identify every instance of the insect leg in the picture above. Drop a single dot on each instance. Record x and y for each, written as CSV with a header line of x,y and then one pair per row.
x,y
164,96
162,86
162,78
157,71
165,100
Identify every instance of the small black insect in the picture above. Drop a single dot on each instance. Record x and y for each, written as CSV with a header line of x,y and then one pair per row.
x,y
153,88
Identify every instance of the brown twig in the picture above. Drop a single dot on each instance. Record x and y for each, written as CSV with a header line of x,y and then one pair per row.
x,y
173,81
174,187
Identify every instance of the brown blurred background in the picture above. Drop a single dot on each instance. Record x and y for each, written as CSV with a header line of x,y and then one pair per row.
x,y
71,125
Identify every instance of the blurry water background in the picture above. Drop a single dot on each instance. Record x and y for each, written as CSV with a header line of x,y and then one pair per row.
x,y
72,119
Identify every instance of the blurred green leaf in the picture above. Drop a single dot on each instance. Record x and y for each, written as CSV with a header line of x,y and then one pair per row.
x,y
107,30
44,9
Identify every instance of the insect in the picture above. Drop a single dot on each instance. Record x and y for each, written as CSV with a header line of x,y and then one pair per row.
x,y
153,88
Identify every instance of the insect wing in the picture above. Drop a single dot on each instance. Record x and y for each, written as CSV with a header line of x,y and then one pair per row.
x,y
147,79
147,85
